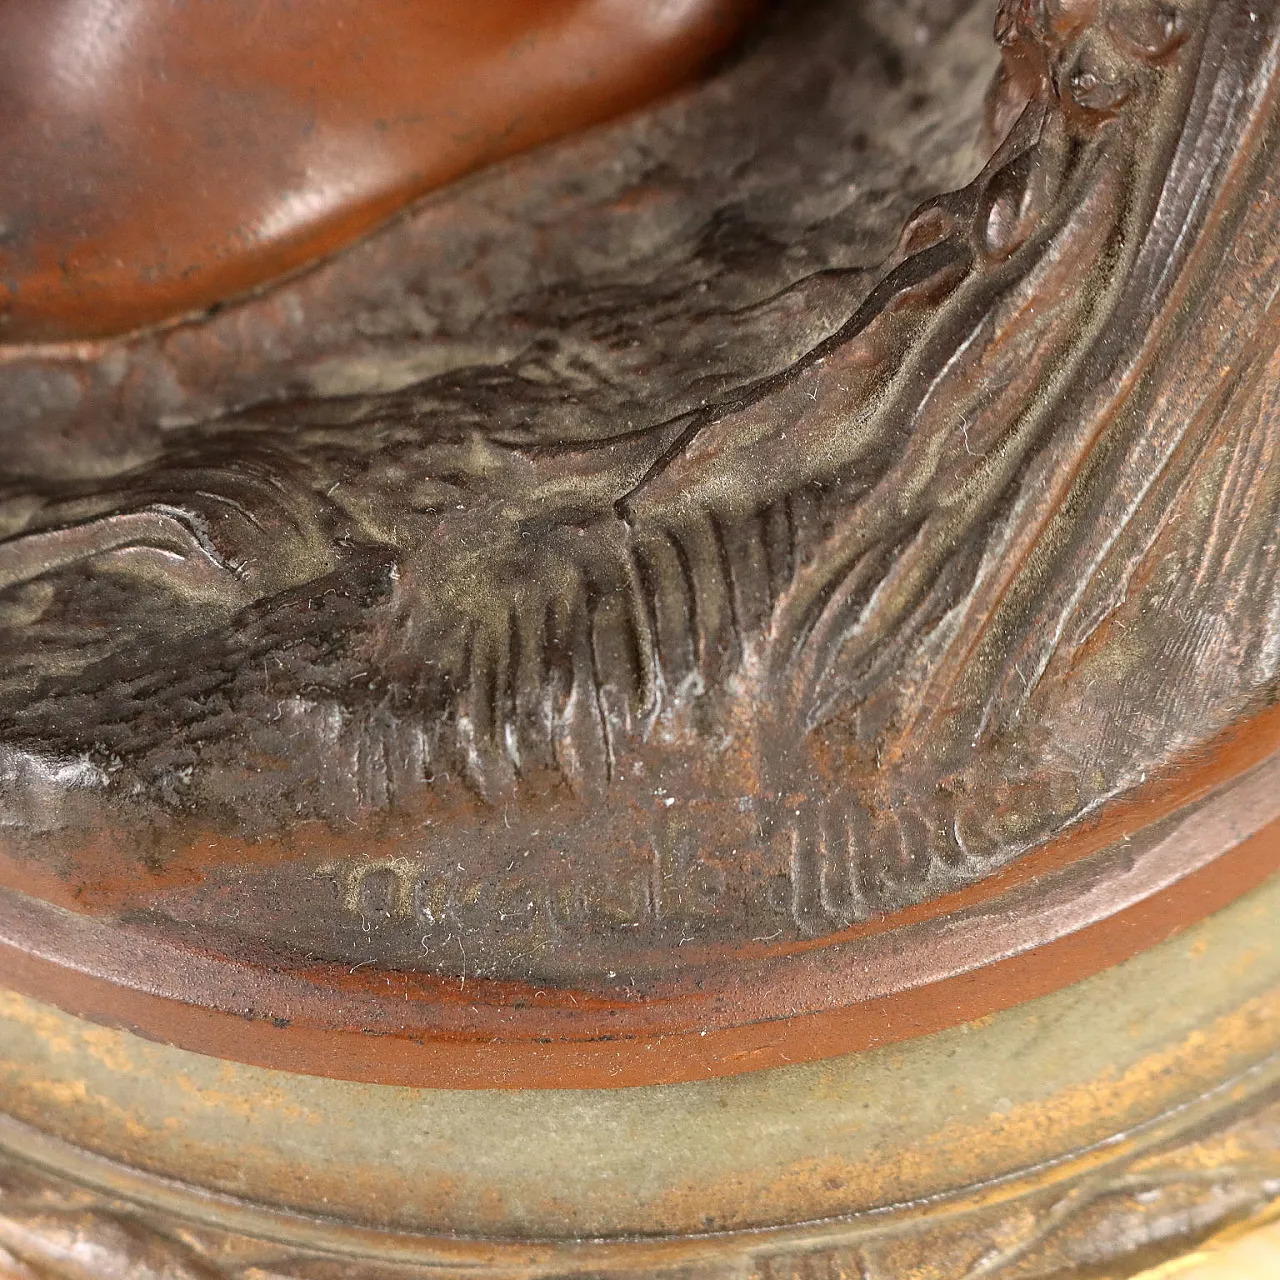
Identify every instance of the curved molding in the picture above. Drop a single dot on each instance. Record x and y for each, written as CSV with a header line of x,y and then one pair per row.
x,y
551,722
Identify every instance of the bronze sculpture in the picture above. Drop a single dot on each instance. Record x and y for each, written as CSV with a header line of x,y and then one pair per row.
x,y
159,160
790,575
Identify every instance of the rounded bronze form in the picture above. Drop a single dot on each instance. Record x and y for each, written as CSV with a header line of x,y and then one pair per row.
x,y
704,701
156,159
531,748
1106,1127
1074,907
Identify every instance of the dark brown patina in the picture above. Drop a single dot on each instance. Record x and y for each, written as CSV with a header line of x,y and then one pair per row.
x,y
765,608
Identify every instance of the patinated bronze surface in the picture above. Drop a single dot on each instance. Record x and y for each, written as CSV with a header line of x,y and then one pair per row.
x,y
566,663
157,158
790,575
1086,1134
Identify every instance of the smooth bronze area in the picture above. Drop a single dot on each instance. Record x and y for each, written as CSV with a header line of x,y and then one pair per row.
x,y
158,158
704,701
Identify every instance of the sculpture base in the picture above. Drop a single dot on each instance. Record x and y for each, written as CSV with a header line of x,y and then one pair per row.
x,y
806,611
793,574
1097,1130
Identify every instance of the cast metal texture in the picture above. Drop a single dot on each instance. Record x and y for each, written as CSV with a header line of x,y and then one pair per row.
x,y
1087,1134
694,599
694,577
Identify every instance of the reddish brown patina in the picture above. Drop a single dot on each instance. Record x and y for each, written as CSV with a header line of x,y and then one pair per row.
x,y
158,158
649,652
1184,847
792,573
